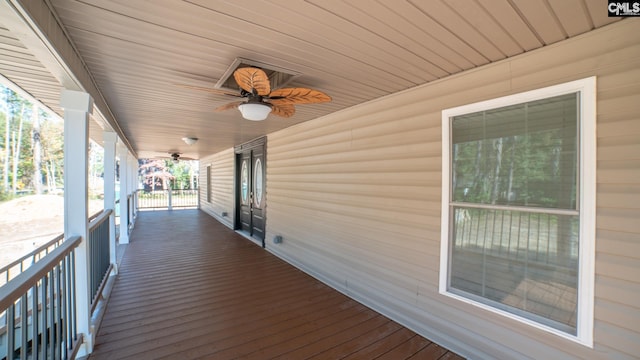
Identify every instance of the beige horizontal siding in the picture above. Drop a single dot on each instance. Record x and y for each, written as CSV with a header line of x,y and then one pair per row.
x,y
356,197
222,186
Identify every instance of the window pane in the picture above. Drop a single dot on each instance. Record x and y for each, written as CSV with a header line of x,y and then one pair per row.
x,y
525,263
524,154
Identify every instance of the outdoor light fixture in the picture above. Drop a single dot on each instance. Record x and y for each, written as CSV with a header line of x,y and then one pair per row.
x,y
175,158
190,140
255,111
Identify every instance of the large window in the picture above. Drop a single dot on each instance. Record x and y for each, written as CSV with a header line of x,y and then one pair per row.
x,y
518,207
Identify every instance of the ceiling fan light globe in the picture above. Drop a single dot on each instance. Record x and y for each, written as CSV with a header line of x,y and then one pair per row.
x,y
190,140
254,111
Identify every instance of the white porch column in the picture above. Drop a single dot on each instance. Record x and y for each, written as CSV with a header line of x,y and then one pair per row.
x,y
133,184
77,107
123,154
109,142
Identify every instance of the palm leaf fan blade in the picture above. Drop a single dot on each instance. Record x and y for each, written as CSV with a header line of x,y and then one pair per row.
x,y
283,110
228,106
298,96
253,80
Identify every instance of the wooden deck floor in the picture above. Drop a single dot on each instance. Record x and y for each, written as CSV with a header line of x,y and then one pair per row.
x,y
190,288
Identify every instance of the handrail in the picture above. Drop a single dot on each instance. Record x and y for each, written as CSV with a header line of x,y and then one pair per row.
x,y
34,252
95,215
100,218
170,198
19,285
92,224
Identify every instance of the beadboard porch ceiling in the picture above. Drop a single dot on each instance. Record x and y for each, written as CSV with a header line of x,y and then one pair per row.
x,y
355,51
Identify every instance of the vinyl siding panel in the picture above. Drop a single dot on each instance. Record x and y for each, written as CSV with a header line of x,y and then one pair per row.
x,y
356,196
222,186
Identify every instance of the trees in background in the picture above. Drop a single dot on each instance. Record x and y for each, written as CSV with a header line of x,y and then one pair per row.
x,y
163,174
37,149
31,147
32,155
154,174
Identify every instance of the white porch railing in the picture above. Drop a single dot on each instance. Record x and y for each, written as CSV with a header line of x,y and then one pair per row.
x,y
166,199
38,306
38,300
18,266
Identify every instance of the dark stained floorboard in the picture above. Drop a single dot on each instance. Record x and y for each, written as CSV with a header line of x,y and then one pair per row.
x,y
190,288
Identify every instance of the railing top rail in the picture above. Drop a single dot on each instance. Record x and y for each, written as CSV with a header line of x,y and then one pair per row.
x,y
95,215
99,219
36,251
19,285
93,222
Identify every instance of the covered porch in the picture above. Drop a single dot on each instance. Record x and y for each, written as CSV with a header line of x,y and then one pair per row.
x,y
354,194
190,287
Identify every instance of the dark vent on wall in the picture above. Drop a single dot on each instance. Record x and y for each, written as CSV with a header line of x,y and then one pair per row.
x,y
278,77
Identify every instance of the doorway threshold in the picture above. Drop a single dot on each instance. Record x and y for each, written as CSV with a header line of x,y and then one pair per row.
x,y
250,238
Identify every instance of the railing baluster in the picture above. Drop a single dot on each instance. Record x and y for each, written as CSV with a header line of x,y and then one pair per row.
x,y
34,256
98,242
34,323
58,313
45,317
24,328
38,304
72,297
165,199
11,335
52,323
63,308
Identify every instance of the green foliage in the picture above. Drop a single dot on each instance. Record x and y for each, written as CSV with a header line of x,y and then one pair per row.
x,y
164,174
5,195
17,143
182,171
510,157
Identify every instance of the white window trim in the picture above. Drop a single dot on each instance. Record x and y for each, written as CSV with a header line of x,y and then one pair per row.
x,y
587,201
209,194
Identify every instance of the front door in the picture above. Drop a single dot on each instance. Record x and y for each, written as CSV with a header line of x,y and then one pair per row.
x,y
251,199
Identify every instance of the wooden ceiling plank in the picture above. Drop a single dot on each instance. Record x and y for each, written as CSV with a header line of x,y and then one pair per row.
x,y
420,18
200,26
353,50
18,57
382,36
486,23
572,15
331,34
511,21
449,18
368,63
598,13
412,37
541,19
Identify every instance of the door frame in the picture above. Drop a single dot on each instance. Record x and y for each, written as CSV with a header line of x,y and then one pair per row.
x,y
260,142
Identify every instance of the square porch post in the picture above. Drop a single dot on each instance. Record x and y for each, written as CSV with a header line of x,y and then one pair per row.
x,y
109,142
133,185
77,106
123,154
